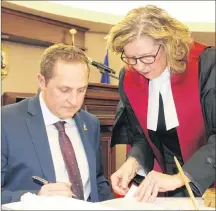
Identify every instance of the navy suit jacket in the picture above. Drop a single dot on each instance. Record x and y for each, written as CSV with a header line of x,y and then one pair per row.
x,y
25,151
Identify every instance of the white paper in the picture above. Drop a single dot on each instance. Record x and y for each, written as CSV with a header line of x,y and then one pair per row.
x,y
161,203
131,192
34,202
31,201
131,204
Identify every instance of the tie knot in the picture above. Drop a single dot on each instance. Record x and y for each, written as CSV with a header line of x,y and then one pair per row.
x,y
60,126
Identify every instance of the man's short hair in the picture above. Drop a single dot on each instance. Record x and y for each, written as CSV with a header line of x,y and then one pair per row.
x,y
63,52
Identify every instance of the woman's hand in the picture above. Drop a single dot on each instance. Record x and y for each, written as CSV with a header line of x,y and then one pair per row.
x,y
157,182
122,177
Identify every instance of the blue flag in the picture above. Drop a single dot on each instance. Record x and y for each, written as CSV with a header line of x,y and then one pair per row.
x,y
105,78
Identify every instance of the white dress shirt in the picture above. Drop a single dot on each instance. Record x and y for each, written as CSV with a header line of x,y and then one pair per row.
x,y
73,134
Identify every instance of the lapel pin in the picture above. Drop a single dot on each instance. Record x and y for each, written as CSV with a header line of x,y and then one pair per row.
x,y
84,127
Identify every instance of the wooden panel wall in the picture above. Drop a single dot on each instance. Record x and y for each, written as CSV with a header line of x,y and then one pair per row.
x,y
30,29
208,38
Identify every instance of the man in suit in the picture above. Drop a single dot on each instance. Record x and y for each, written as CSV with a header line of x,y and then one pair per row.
x,y
33,145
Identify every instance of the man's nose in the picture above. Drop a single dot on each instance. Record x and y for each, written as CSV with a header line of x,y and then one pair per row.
x,y
72,99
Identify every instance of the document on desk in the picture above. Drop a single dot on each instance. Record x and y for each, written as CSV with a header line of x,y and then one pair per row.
x,y
31,201
129,202
161,203
131,191
34,202
168,203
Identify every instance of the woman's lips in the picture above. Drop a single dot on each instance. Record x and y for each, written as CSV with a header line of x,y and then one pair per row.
x,y
145,73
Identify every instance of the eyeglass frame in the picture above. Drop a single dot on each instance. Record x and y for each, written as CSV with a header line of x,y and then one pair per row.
x,y
136,58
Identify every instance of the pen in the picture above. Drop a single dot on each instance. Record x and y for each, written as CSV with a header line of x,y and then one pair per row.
x,y
186,184
39,180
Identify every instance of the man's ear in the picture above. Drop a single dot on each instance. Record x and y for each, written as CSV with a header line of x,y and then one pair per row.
x,y
41,81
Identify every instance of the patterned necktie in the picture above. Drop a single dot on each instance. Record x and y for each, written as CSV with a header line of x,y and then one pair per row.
x,y
70,160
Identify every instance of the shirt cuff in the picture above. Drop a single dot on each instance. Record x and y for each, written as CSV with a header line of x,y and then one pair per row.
x,y
141,172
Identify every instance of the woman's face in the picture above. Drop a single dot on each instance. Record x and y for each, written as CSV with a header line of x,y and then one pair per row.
x,y
152,56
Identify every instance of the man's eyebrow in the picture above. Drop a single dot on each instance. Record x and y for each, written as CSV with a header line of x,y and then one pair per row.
x,y
83,87
71,88
65,87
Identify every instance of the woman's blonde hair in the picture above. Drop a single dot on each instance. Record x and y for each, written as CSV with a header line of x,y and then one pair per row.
x,y
159,25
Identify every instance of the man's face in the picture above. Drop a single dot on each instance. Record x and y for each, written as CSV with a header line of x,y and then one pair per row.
x,y
65,91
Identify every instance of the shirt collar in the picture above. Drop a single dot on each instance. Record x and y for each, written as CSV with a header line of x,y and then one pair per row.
x,y
160,80
49,117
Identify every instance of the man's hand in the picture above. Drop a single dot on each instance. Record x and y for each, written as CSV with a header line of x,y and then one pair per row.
x,y
59,188
122,177
157,182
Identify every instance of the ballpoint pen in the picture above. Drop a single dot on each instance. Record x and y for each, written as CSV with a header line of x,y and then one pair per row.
x,y
39,180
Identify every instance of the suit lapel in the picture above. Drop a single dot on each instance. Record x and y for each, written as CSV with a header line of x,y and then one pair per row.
x,y
37,130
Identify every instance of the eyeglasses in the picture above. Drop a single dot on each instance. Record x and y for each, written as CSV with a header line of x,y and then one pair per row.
x,y
149,59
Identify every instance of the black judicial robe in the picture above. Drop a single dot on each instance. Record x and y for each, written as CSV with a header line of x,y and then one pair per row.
x,y
198,144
